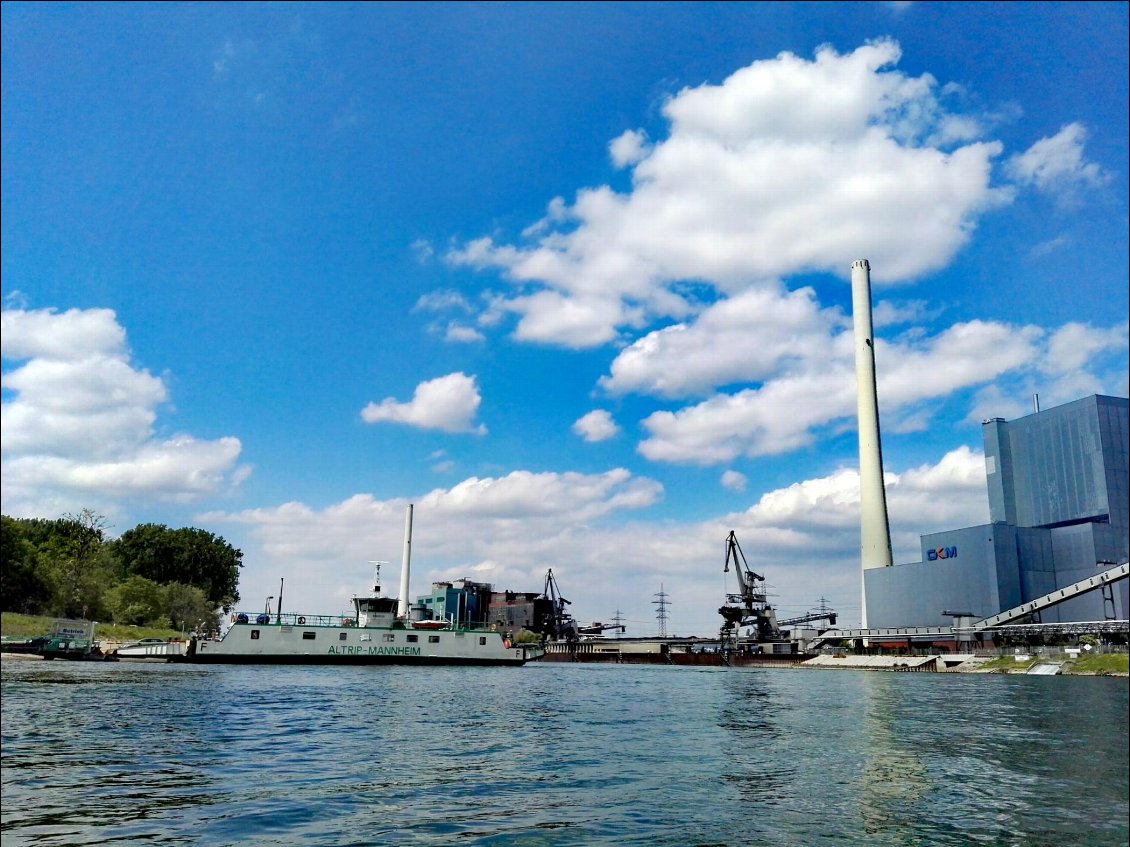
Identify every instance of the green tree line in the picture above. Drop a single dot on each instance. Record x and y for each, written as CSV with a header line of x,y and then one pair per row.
x,y
150,576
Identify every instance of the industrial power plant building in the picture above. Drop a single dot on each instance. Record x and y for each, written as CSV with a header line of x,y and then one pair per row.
x,y
1060,511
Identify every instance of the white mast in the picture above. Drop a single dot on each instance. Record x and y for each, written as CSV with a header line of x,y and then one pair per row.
x,y
875,530
402,606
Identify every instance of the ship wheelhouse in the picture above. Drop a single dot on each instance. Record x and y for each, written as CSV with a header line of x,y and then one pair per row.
x,y
375,611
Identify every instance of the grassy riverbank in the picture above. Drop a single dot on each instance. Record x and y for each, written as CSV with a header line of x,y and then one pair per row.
x,y
1111,663
29,626
1103,664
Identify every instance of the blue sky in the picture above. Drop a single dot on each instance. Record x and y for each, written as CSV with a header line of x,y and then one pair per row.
x,y
573,279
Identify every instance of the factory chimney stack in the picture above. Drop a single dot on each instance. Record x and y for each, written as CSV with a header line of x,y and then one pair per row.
x,y
875,531
405,568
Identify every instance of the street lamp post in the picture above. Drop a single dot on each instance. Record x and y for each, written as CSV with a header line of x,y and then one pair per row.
x,y
267,605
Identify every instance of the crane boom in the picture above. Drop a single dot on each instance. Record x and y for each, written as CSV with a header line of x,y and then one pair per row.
x,y
749,607
559,624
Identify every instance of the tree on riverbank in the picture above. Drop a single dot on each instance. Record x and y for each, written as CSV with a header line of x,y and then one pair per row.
x,y
188,556
151,575
58,567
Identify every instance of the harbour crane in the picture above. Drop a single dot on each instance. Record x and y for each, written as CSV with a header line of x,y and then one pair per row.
x,y
749,607
557,624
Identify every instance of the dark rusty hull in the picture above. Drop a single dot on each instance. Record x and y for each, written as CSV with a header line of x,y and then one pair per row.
x,y
712,660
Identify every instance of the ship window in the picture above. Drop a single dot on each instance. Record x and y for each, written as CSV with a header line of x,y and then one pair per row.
x,y
343,636
254,635
412,639
308,636
433,639
388,636
482,640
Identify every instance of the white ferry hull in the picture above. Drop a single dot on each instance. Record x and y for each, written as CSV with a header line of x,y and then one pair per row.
x,y
331,645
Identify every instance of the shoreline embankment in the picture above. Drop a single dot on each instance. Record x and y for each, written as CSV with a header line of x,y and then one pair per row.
x,y
1055,665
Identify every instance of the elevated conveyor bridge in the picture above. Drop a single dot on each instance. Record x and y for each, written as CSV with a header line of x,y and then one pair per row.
x,y
1006,622
1108,577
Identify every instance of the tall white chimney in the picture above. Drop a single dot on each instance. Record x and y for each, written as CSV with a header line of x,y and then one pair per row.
x,y
405,567
875,530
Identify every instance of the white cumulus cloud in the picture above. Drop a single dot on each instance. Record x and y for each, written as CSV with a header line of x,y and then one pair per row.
x,y
629,148
597,425
78,427
1073,345
733,480
506,530
760,177
460,334
447,403
817,389
1057,162
746,338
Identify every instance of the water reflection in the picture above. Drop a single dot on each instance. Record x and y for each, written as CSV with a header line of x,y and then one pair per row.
x,y
749,706
894,778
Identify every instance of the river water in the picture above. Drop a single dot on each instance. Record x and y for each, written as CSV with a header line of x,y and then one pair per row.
x,y
557,754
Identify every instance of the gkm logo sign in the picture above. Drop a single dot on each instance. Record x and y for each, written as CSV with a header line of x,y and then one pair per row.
x,y
941,553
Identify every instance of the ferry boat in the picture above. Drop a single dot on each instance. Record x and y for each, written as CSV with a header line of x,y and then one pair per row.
x,y
379,632
375,635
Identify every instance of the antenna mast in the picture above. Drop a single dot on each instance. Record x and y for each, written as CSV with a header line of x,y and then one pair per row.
x,y
377,575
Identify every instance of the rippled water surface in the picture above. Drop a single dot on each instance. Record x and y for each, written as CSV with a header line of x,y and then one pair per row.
x,y
557,754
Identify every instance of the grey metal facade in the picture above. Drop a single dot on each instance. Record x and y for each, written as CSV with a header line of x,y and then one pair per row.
x,y
1059,501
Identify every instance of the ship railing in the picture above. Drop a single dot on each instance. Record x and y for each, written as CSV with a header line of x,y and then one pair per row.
x,y
344,621
293,619
296,619
479,626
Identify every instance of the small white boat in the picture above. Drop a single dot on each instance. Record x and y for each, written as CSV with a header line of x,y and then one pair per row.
x,y
430,625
